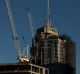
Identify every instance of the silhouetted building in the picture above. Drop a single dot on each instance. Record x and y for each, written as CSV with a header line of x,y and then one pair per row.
x,y
54,51
22,68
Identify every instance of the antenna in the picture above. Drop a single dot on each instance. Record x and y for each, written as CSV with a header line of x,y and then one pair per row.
x,y
48,9
48,14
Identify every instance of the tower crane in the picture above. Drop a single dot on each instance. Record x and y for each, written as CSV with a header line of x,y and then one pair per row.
x,y
21,58
31,26
35,44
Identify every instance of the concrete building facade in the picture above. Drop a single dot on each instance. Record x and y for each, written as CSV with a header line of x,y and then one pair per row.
x,y
54,51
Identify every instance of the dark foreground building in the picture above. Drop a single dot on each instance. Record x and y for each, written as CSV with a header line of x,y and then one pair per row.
x,y
54,51
22,69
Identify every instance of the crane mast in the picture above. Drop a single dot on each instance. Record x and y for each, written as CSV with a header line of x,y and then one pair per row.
x,y
12,26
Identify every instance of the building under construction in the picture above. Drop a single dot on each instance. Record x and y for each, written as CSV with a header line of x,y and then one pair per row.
x,y
51,53
23,66
54,51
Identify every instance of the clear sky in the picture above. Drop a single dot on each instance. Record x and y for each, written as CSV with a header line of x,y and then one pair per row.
x,y
65,16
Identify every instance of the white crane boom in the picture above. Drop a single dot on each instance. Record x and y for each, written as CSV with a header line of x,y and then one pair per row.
x,y
31,26
30,22
12,26
21,58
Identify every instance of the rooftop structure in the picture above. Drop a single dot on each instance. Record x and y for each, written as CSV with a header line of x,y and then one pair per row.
x,y
22,68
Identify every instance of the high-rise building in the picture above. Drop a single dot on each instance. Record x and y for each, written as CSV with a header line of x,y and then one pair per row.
x,y
54,51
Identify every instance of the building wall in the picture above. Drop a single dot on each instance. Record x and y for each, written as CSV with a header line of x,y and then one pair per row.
x,y
51,49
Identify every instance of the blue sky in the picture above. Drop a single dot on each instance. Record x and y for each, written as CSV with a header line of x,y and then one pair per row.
x,y
65,16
